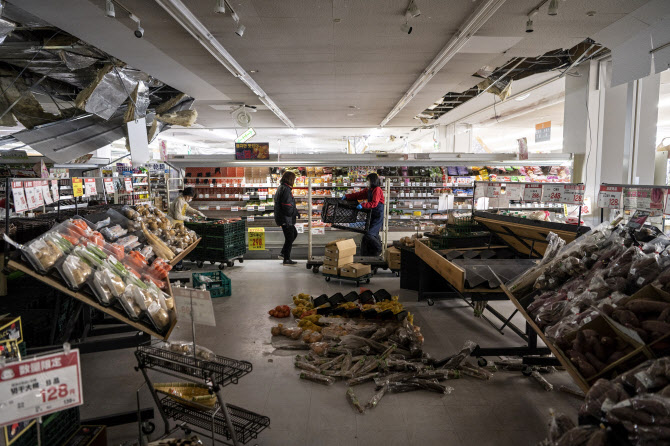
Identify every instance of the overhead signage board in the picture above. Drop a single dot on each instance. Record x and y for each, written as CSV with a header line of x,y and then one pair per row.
x,y
246,136
252,150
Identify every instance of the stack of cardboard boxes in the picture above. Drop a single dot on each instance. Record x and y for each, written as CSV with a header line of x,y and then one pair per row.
x,y
339,260
393,258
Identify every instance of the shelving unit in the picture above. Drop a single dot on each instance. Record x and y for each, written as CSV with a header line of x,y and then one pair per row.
x,y
223,423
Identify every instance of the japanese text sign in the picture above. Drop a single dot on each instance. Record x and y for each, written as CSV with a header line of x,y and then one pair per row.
x,y
256,239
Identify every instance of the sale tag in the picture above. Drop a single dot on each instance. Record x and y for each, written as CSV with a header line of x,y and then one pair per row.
x,y
532,192
20,201
128,183
109,185
609,197
245,197
234,209
31,196
190,301
573,193
552,193
44,187
643,198
494,190
40,386
250,218
514,192
318,231
481,190
256,239
90,187
261,208
55,193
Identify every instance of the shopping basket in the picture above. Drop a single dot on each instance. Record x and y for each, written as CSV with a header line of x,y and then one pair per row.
x,y
344,214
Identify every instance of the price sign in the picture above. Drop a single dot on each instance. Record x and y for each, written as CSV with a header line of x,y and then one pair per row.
x,y
514,192
20,201
219,184
250,218
31,196
193,301
40,386
37,186
55,193
234,209
245,197
89,187
609,197
643,198
77,187
481,190
262,196
261,208
493,190
532,192
256,239
44,187
573,193
318,231
128,184
552,193
211,184
109,185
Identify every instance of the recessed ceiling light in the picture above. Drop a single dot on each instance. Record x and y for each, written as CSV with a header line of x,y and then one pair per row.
x,y
253,71
522,97
351,114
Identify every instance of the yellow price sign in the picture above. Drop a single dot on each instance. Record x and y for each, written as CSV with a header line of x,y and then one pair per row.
x,y
256,239
77,187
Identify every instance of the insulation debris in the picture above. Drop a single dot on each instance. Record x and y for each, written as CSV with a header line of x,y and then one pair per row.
x,y
27,109
184,118
76,61
138,103
106,93
167,105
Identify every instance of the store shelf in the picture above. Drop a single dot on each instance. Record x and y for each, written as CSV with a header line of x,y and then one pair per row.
x,y
247,424
220,370
140,184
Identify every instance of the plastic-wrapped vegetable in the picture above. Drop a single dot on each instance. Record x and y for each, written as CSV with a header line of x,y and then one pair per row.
x,y
76,271
102,290
555,244
353,399
315,377
114,232
44,252
559,425
129,303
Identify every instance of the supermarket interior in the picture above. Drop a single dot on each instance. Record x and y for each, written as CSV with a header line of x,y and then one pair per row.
x,y
335,222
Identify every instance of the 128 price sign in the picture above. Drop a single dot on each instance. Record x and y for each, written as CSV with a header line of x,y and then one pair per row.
x,y
40,386
609,197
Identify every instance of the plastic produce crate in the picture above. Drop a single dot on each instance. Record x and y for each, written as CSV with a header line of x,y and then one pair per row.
x,y
343,214
464,227
220,242
220,285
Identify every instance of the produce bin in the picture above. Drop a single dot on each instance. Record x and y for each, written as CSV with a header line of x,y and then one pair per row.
x,y
343,214
220,242
217,283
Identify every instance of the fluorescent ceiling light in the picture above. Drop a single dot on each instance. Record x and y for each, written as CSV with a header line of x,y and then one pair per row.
x,y
457,41
190,23
522,97
664,102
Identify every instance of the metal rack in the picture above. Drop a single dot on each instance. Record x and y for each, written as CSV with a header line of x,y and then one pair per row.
x,y
226,424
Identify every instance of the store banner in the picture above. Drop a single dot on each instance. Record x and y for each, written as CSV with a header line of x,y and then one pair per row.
x,y
77,187
128,183
90,187
20,201
532,192
190,301
46,194
109,185
609,197
55,193
40,386
643,198
256,239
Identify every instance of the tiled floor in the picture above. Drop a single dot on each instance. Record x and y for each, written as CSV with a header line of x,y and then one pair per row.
x,y
510,409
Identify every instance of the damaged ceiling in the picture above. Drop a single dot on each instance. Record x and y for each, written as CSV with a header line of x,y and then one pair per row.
x,y
67,98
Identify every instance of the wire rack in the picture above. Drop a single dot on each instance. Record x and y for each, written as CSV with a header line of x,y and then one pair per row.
x,y
247,424
221,370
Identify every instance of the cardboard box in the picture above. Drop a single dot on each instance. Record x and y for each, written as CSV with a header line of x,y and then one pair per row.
x,y
329,269
355,270
337,261
393,257
341,248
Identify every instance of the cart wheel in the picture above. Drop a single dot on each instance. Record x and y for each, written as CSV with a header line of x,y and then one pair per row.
x,y
241,260
482,362
148,427
527,370
221,266
211,262
327,279
374,270
201,264
315,269
187,431
397,273
307,266
358,283
230,263
431,302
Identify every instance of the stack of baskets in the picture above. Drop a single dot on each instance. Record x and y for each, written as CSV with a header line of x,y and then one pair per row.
x,y
217,283
220,242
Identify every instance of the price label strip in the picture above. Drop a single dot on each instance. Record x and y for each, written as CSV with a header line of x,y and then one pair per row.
x,y
40,386
90,188
20,200
532,192
609,197
54,190
563,193
643,198
44,187
256,239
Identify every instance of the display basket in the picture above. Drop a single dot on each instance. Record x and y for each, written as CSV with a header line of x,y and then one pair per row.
x,y
218,285
343,214
190,394
463,226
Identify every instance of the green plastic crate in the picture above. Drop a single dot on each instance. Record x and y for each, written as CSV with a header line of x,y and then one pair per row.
x,y
220,286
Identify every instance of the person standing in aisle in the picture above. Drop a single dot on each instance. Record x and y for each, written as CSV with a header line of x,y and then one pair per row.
x,y
180,209
371,244
286,214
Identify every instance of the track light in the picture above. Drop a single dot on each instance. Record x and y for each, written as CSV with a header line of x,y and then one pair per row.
x,y
139,31
406,28
2,7
553,7
413,10
240,30
109,9
220,7
529,25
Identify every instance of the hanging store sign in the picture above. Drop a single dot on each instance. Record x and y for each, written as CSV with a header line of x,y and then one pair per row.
x,y
34,200
643,198
252,150
77,187
20,202
609,197
44,187
542,132
194,301
128,184
109,185
532,192
55,193
246,136
256,239
90,187
40,386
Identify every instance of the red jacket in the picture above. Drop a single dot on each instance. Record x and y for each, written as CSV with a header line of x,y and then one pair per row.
x,y
377,197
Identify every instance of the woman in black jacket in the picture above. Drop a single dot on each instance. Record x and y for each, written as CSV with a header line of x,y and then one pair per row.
x,y
286,214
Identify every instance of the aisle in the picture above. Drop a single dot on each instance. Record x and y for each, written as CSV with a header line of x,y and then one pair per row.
x,y
508,410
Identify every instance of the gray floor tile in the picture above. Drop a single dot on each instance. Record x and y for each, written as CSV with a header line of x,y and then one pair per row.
x,y
429,437
387,437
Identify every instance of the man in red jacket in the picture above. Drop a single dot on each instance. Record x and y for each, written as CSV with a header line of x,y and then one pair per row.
x,y
371,244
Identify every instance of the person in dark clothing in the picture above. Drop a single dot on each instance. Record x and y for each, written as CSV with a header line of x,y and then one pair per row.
x,y
371,244
286,214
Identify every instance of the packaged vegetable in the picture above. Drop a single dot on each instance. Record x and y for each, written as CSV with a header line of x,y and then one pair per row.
x,y
114,232
127,241
113,281
129,303
44,253
76,271
102,291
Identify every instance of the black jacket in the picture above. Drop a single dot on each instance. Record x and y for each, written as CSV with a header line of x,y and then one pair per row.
x,y
285,210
